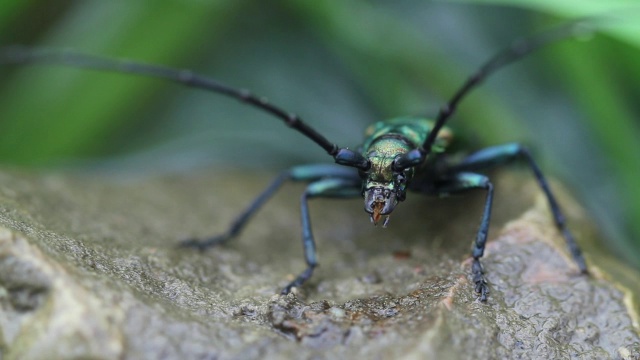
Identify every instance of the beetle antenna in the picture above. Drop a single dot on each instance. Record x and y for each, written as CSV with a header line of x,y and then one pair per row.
x,y
27,55
515,51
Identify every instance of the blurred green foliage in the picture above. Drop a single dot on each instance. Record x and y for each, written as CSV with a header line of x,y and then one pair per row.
x,y
339,64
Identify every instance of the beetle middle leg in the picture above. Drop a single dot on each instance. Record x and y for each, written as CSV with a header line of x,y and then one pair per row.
x,y
239,223
309,172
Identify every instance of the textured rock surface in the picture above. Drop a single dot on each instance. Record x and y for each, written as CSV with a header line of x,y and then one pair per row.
x,y
89,269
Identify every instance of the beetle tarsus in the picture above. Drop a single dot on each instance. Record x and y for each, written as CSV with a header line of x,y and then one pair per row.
x,y
301,279
481,286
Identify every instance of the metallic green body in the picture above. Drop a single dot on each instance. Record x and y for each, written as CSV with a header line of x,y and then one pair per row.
x,y
385,140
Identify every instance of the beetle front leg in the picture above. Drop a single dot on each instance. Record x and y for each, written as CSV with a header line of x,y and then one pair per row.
x,y
497,155
331,187
464,182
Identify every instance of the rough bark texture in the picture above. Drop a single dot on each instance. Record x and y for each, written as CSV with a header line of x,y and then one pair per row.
x,y
89,269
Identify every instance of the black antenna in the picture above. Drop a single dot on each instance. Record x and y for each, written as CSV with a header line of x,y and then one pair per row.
x,y
26,55
516,51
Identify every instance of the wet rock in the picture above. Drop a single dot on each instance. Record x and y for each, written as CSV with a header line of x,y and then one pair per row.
x,y
89,268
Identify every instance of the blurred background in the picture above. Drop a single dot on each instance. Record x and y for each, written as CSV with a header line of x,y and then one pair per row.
x,y
341,65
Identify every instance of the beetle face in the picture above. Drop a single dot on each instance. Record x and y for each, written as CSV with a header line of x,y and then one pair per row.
x,y
381,197
380,200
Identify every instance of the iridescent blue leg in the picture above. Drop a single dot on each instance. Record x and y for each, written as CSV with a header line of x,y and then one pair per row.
x,y
327,188
298,173
465,181
498,155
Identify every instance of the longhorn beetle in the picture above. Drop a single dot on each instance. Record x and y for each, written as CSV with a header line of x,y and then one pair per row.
x,y
397,155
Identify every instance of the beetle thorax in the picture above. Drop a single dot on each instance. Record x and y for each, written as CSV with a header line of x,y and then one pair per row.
x,y
381,155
